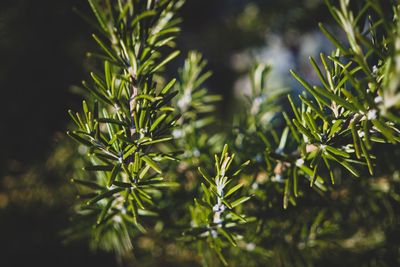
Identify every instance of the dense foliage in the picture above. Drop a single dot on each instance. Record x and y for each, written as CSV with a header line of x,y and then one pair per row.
x,y
151,179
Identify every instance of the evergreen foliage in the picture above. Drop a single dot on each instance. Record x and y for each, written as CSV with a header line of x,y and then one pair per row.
x,y
293,201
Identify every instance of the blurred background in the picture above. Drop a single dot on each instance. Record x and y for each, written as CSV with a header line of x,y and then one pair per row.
x,y
42,57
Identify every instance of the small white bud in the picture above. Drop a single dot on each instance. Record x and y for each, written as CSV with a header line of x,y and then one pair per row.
x,y
216,208
117,219
250,246
279,178
254,186
299,162
82,149
375,69
378,100
196,152
219,208
214,234
177,133
184,102
372,114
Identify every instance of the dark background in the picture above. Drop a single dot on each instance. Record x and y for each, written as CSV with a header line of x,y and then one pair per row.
x,y
42,56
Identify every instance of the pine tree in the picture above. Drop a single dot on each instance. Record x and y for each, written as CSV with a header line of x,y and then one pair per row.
x,y
158,168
